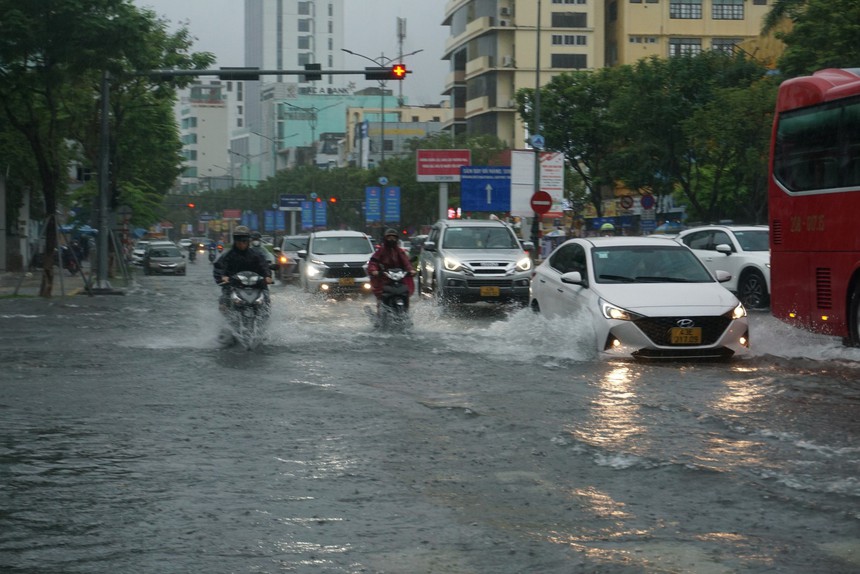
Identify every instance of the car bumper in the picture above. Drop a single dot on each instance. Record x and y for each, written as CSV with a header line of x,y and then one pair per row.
x,y
627,339
340,285
472,289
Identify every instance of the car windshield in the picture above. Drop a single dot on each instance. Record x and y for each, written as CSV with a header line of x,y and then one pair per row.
x,y
479,238
295,244
758,240
648,264
341,245
164,252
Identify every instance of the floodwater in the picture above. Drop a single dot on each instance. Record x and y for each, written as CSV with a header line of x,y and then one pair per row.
x,y
483,441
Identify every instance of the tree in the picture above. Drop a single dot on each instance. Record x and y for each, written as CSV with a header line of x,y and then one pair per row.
x,y
824,34
52,55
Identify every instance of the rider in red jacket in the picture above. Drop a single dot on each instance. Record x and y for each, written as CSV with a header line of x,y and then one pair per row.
x,y
389,256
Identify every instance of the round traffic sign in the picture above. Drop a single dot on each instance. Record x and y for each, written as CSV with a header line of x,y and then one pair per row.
x,y
626,201
647,201
541,202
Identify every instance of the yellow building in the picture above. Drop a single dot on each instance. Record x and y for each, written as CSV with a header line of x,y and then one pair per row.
x,y
493,47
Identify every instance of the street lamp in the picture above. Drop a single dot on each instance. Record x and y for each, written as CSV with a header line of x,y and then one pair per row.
x,y
313,116
274,149
382,60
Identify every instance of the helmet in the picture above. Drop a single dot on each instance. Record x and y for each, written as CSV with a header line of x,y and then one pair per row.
x,y
256,235
241,233
607,227
391,231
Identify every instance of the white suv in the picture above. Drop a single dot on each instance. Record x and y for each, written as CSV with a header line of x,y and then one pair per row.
x,y
466,261
336,262
743,251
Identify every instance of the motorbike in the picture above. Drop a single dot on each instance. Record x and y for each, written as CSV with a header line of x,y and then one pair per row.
x,y
393,310
211,255
192,254
247,310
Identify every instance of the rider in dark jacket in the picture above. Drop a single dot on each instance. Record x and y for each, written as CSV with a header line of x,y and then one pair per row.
x,y
240,258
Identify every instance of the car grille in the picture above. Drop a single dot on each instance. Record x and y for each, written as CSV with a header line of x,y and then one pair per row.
x,y
346,270
657,328
502,283
488,267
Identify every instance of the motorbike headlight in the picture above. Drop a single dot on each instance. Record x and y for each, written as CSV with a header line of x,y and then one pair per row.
x,y
524,264
451,264
739,312
611,311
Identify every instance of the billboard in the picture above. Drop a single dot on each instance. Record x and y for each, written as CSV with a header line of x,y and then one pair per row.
x,y
440,164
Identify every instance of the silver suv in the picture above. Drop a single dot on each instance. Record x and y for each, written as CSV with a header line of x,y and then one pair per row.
x,y
466,261
336,262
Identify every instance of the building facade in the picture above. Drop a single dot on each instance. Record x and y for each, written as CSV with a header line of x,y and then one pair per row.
x,y
204,117
494,47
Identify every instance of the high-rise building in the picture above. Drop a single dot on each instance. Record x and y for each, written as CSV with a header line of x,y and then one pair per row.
x,y
286,35
494,51
203,121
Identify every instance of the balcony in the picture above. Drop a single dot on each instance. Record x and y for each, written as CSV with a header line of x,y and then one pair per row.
x,y
454,79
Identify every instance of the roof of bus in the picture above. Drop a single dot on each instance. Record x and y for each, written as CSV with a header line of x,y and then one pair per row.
x,y
822,86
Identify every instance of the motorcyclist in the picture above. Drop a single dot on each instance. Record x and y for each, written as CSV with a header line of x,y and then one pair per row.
x,y
607,230
240,258
257,245
389,255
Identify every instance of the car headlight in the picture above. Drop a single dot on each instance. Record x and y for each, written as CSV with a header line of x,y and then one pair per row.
x,y
739,312
451,264
611,311
524,264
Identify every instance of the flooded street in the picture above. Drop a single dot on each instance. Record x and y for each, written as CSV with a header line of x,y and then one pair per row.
x,y
484,441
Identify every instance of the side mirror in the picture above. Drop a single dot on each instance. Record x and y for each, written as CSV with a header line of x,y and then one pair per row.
x,y
527,245
574,278
303,253
722,276
724,248
429,246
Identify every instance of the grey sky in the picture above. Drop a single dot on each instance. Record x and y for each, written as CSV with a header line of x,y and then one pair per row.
x,y
218,26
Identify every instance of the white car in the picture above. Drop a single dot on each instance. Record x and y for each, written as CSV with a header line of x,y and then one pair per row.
x,y
336,262
647,297
742,251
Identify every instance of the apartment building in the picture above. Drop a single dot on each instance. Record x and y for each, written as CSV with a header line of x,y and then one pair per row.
x,y
203,127
497,47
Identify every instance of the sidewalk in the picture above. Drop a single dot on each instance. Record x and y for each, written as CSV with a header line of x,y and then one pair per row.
x,y
27,284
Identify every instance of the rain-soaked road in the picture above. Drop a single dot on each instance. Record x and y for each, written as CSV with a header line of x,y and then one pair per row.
x,y
479,443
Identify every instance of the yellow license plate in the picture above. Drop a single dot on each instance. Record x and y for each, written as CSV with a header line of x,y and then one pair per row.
x,y
685,336
489,291
346,281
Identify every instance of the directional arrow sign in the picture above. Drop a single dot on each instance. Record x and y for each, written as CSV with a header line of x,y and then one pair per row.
x,y
485,188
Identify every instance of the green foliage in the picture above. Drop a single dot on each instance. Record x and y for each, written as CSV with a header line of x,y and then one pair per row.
x,y
824,34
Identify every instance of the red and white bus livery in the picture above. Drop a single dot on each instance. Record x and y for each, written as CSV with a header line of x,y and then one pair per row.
x,y
814,203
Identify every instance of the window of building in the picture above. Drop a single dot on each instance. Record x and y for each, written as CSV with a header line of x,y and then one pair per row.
x,y
569,1
304,25
239,122
305,58
569,61
759,2
643,39
685,46
613,11
557,39
239,110
437,119
635,1
726,45
304,8
569,20
331,10
330,61
239,91
330,27
652,1
415,119
727,10
685,9
331,43
304,42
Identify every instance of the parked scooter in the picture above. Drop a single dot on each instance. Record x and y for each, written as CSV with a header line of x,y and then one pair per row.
x,y
247,311
393,309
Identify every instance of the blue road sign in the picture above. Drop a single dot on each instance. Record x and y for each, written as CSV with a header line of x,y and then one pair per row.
x,y
307,215
372,204
391,204
291,202
485,188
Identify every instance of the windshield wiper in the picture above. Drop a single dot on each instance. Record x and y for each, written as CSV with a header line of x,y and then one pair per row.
x,y
653,279
621,278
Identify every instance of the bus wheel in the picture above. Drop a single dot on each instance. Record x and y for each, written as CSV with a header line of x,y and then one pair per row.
x,y
853,339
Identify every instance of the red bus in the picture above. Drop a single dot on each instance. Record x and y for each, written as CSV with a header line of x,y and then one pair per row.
x,y
814,204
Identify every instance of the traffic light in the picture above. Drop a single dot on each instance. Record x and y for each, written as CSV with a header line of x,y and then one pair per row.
x,y
393,72
332,200
310,76
190,206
